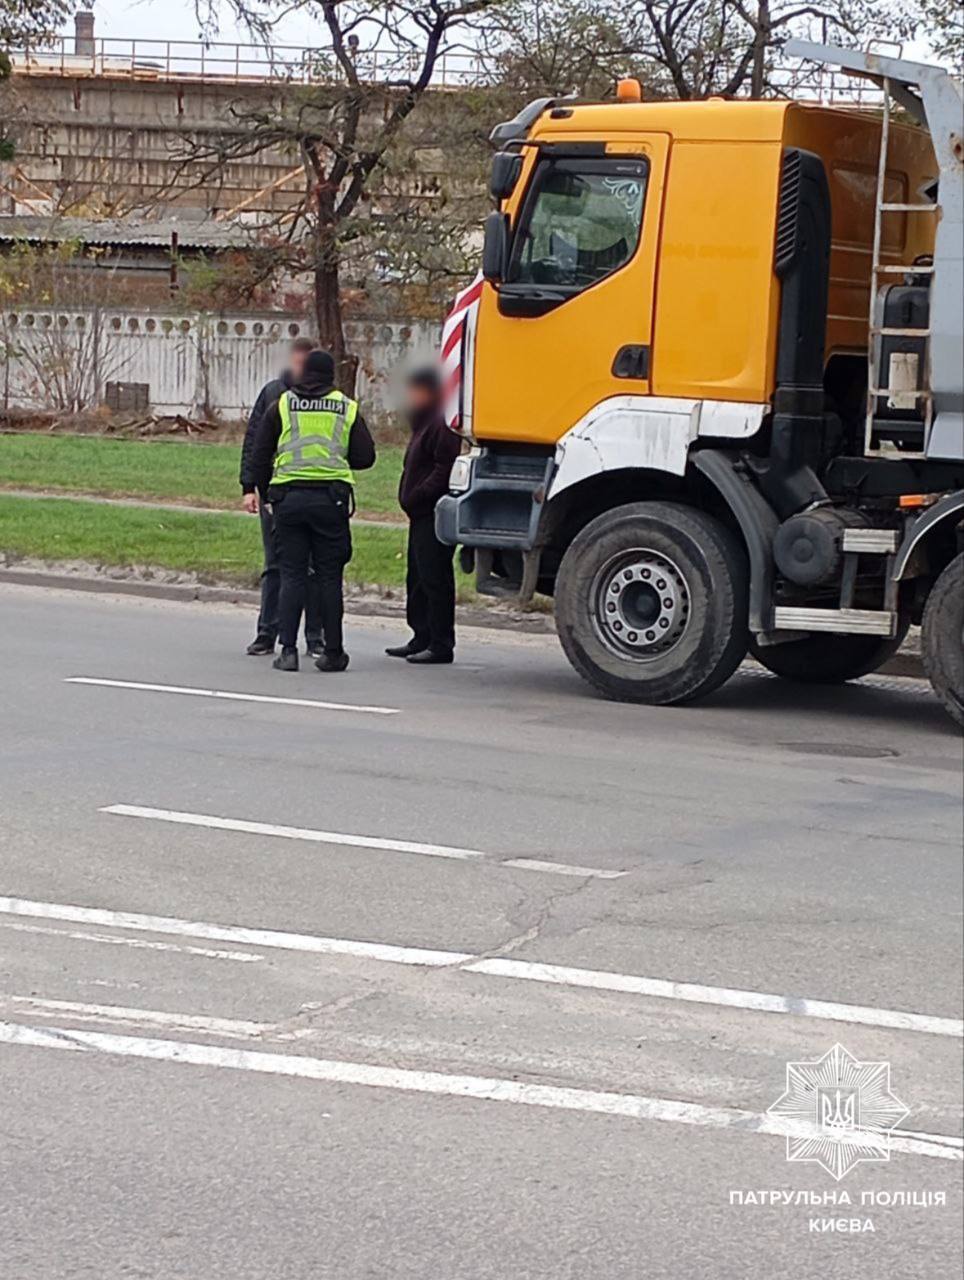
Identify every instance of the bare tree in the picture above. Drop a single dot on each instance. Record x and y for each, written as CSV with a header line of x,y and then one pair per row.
x,y
558,47
342,128
26,23
726,47
944,28
54,324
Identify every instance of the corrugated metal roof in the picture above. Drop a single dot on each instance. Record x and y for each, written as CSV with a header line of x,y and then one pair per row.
x,y
192,233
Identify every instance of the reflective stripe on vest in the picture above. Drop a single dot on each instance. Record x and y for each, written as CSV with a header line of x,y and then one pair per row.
x,y
313,444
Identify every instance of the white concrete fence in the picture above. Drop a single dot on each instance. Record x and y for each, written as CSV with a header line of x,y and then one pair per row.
x,y
191,364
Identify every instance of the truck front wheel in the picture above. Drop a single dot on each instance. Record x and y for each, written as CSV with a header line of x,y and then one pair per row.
x,y
651,603
942,638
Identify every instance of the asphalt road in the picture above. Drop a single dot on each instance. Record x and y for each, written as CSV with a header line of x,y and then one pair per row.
x,y
387,993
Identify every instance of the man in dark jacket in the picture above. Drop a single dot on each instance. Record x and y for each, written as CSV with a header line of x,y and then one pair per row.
x,y
254,503
430,580
307,448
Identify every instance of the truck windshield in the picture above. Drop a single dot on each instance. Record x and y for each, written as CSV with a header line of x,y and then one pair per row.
x,y
581,222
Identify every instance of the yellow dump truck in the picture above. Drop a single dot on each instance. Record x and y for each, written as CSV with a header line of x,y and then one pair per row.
x,y
709,406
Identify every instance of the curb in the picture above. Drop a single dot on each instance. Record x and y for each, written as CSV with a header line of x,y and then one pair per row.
x,y
187,593
905,663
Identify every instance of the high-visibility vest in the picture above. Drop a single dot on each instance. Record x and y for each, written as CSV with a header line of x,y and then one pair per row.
x,y
313,444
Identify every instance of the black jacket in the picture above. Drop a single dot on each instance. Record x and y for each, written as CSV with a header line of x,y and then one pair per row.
x,y
361,446
267,396
428,460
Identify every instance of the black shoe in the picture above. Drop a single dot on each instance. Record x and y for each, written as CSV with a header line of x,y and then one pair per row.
x,y
431,657
405,650
332,661
260,646
287,660
314,648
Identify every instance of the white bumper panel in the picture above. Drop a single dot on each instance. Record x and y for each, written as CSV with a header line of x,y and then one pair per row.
x,y
646,431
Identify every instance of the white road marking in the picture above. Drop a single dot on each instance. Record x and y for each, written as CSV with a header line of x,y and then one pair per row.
x,y
760,1001
478,1088
353,841
232,697
243,957
231,1027
232,933
563,868
532,971
293,833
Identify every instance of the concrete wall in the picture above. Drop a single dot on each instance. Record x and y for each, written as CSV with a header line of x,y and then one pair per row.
x,y
188,361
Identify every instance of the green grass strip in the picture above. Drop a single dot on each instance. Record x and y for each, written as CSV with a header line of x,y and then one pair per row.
x,y
204,475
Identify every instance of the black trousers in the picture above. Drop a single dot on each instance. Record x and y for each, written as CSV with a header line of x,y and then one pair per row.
x,y
268,620
430,587
312,527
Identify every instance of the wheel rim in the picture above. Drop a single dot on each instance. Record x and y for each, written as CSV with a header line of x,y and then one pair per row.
x,y
640,604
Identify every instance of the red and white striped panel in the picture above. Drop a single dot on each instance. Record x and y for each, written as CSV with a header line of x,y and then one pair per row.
x,y
453,332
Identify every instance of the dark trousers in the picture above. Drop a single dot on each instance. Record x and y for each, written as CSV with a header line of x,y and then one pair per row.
x,y
268,622
312,528
430,587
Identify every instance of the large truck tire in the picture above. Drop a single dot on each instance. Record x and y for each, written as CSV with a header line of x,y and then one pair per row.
x,y
651,603
826,658
942,638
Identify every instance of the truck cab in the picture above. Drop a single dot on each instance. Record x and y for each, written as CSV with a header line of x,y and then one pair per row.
x,y
700,385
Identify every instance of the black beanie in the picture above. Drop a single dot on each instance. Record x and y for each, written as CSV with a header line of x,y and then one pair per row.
x,y
319,367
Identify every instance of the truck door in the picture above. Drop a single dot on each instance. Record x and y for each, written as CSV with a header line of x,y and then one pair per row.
x,y
572,323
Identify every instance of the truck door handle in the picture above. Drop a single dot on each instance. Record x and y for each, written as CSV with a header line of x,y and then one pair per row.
x,y
631,362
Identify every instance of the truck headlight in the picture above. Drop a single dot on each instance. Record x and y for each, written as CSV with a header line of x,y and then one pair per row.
x,y
460,477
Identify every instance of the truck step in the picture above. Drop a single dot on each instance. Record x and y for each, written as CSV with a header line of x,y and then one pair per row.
x,y
866,622
872,541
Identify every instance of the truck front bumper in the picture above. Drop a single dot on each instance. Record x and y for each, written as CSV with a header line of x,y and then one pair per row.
x,y
500,504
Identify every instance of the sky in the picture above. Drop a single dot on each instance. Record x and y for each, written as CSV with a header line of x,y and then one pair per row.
x,y
176,20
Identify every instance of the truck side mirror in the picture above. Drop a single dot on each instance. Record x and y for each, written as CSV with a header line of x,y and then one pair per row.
x,y
506,167
495,247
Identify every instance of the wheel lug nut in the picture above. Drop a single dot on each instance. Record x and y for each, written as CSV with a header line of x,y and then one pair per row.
x,y
663,623
632,637
628,575
646,573
661,583
610,608
650,635
617,626
668,602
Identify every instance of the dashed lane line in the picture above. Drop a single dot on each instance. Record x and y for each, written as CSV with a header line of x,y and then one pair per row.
x,y
493,966
475,1088
230,696
356,841
136,944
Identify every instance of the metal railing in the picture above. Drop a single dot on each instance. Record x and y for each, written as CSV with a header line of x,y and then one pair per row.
x,y
238,63
232,63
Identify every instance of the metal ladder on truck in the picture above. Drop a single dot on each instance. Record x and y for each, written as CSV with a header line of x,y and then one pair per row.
x,y
934,99
875,435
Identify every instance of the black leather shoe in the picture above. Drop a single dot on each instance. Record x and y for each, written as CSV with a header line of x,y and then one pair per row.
x,y
429,657
260,646
404,650
332,662
287,660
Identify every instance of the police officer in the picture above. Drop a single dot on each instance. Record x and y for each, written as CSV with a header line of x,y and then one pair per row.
x,y
308,446
253,502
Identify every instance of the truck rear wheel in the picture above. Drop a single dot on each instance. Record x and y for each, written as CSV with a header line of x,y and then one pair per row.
x,y
651,603
826,658
942,638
